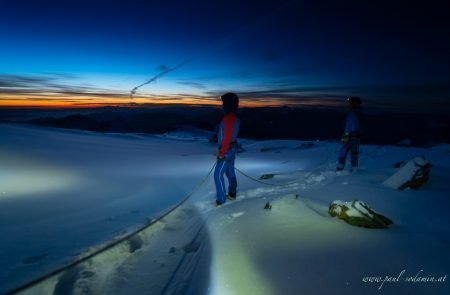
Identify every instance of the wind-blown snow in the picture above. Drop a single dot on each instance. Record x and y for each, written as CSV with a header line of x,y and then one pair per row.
x,y
105,185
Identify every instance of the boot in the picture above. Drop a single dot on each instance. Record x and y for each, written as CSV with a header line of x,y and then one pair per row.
x,y
231,196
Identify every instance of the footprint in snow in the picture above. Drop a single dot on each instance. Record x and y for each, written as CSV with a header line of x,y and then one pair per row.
x,y
34,259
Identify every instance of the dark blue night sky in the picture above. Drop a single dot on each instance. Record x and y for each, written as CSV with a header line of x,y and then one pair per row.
x,y
392,53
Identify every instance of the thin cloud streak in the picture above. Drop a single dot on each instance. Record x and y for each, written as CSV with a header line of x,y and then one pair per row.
x,y
164,71
49,87
194,84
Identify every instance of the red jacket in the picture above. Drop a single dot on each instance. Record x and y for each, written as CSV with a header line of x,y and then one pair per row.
x,y
228,131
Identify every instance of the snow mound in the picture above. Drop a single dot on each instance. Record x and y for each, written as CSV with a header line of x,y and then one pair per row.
x,y
413,174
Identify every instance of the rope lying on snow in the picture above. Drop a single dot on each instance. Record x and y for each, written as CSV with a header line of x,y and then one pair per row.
x,y
110,245
262,182
132,234
180,263
288,183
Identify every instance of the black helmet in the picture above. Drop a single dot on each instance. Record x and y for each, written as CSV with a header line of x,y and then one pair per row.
x,y
230,102
354,101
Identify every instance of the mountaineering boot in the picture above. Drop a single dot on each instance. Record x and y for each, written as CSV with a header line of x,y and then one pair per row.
x,y
231,196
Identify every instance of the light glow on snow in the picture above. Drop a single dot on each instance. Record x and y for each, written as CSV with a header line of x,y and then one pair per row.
x,y
233,272
20,177
111,184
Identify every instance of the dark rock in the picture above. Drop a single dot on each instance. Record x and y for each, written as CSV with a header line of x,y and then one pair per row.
x,y
267,176
399,164
414,174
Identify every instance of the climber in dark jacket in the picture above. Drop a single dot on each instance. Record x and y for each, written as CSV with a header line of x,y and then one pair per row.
x,y
352,135
228,131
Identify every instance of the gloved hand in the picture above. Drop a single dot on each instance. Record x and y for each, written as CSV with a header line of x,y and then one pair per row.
x,y
345,138
219,157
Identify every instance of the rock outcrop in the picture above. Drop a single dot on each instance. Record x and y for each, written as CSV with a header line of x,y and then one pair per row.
x,y
358,213
413,174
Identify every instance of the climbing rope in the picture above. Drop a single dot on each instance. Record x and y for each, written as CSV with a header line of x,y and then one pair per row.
x,y
152,222
262,182
112,244
289,183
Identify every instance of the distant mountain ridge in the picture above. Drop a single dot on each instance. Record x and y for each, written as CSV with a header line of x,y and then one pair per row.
x,y
259,123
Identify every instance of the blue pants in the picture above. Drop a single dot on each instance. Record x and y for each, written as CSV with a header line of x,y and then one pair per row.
x,y
351,146
225,166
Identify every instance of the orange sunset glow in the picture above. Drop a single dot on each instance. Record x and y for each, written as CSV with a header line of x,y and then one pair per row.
x,y
90,101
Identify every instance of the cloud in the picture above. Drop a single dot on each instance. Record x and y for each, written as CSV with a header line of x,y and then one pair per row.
x,y
16,81
194,84
406,97
49,86
47,89
162,68
291,92
163,71
40,99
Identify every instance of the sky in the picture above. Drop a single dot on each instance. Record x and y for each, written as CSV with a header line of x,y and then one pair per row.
x,y
394,54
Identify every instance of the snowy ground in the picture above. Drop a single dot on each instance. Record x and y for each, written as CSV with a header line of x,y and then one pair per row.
x,y
65,191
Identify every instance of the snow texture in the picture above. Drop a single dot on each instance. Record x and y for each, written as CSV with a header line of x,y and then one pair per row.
x,y
65,193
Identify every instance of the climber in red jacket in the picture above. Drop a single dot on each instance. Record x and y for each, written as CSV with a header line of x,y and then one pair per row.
x,y
227,139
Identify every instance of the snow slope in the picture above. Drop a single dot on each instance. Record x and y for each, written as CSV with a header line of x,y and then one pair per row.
x,y
64,191
93,187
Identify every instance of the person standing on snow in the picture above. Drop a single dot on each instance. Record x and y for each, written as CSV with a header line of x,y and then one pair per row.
x,y
351,137
228,131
